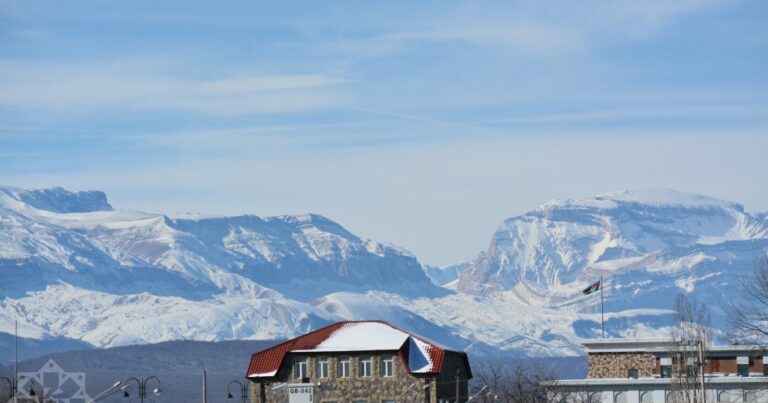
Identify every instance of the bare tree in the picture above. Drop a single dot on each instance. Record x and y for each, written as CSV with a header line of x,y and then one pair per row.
x,y
692,335
749,321
501,381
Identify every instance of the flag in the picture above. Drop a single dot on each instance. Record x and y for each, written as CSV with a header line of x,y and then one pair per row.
x,y
593,288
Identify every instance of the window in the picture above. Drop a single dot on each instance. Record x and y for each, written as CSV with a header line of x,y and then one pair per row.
x,y
300,368
666,367
365,364
321,367
387,367
742,366
632,373
342,367
743,369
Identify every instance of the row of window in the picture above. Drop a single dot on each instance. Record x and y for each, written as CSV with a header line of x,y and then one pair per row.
x,y
743,366
360,401
343,365
666,370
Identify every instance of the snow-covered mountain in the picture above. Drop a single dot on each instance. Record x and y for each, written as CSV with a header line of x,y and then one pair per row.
x,y
74,267
647,246
573,242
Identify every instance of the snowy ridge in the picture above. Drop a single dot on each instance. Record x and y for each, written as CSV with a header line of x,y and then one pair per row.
x,y
647,246
82,270
57,200
81,274
658,197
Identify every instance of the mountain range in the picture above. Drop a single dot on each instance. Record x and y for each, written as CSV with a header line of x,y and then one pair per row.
x,y
76,270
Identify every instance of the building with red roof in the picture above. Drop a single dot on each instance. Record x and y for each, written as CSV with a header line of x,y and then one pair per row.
x,y
360,361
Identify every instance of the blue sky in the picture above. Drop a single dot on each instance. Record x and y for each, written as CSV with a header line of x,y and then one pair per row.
x,y
422,124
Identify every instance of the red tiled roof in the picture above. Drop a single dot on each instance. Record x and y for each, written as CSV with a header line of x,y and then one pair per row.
x,y
418,354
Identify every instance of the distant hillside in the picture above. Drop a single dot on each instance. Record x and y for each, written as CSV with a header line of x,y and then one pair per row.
x,y
32,348
179,366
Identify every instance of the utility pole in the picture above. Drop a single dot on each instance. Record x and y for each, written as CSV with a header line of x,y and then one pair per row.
x,y
457,385
15,386
205,388
700,345
602,310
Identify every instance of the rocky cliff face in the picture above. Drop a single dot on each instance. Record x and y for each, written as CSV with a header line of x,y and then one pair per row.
x,y
573,242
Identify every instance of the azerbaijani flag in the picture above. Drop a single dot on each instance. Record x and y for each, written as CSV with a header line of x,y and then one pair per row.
x,y
593,288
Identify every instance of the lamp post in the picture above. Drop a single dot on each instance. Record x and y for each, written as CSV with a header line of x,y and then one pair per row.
x,y
142,385
243,391
12,386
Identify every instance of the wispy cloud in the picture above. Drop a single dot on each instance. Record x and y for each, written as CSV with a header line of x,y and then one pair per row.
x,y
528,27
645,18
397,108
83,87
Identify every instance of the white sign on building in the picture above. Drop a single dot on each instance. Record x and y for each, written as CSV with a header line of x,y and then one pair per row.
x,y
54,383
301,393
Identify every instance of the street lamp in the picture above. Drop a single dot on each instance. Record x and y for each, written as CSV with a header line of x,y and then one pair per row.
x,y
142,385
243,391
12,386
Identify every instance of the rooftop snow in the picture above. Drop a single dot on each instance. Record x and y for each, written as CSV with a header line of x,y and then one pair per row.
x,y
422,356
363,336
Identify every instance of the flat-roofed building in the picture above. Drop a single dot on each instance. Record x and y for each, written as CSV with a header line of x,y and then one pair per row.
x,y
650,371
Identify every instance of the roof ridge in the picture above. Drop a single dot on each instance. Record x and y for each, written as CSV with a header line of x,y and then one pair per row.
x,y
334,337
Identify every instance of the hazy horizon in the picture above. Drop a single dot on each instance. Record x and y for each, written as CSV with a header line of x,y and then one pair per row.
x,y
424,125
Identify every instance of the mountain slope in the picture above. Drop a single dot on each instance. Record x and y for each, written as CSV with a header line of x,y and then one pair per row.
x,y
647,246
563,240
85,271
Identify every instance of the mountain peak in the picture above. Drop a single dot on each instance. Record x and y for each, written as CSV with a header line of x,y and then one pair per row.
x,y
58,200
656,197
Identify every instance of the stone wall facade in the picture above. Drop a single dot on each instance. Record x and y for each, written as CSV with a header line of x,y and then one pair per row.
x,y
401,387
617,365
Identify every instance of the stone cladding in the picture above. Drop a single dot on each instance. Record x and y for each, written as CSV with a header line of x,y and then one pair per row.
x,y
402,386
617,365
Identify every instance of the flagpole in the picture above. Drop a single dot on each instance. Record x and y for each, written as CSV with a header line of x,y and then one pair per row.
x,y
602,312
15,386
